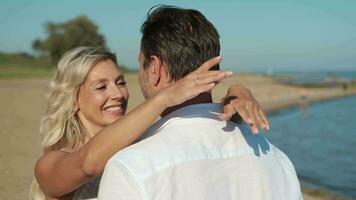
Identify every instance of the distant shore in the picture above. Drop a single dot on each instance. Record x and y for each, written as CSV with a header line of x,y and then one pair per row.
x,y
23,103
317,194
275,96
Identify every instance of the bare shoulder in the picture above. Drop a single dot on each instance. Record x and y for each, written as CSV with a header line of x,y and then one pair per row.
x,y
60,172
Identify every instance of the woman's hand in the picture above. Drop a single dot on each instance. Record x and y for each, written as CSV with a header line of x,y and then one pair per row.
x,y
203,80
199,81
240,101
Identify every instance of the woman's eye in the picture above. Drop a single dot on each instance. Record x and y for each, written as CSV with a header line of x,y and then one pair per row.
x,y
121,83
102,87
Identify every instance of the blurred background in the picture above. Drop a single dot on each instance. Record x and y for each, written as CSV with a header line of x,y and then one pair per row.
x,y
298,57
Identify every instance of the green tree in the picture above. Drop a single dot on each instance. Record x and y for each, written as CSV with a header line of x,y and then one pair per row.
x,y
80,31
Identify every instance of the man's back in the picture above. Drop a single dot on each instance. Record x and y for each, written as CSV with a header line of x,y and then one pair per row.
x,y
193,155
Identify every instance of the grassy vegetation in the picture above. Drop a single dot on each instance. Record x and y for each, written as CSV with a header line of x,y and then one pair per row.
x,y
24,72
24,66
20,65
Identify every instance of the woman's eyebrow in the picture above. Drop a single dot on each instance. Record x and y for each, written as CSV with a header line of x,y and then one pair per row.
x,y
96,81
101,80
121,76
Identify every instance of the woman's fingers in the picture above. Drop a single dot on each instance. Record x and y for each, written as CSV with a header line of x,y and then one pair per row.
x,y
253,124
229,111
235,107
211,77
250,112
208,64
210,73
204,88
265,120
249,115
244,114
198,81
259,118
191,86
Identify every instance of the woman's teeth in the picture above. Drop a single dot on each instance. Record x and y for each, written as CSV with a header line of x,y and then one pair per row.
x,y
115,108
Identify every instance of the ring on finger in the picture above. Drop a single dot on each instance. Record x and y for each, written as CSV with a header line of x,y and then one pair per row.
x,y
197,81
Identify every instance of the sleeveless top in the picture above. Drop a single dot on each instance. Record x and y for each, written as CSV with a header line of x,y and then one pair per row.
x,y
88,190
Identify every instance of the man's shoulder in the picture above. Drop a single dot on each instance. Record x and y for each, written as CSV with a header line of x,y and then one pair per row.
x,y
139,149
177,142
143,158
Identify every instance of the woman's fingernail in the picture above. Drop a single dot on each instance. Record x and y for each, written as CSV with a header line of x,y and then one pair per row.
x,y
265,129
229,73
255,130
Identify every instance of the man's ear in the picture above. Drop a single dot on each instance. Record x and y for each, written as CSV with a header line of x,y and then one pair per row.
x,y
156,69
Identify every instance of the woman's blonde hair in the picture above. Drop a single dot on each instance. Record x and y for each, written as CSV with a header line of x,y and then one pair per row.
x,y
60,127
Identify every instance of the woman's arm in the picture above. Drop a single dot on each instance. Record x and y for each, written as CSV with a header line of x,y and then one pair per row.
x,y
59,173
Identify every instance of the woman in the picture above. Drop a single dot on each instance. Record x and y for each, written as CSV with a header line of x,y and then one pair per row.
x,y
81,130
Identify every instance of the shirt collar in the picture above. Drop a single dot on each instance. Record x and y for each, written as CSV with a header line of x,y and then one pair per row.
x,y
204,110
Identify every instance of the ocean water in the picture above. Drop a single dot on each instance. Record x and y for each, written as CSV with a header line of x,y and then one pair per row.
x,y
321,143
324,76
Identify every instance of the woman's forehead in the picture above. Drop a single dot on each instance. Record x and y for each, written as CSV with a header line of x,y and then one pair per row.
x,y
105,69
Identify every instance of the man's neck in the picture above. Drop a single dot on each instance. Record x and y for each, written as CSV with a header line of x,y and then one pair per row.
x,y
202,98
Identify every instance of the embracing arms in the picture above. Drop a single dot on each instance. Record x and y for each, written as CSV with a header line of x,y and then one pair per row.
x,y
60,172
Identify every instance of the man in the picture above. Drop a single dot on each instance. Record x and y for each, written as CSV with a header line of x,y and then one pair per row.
x,y
191,154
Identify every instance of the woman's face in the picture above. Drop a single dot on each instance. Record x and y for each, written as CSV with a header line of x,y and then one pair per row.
x,y
102,99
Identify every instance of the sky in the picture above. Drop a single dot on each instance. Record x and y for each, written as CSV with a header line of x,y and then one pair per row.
x,y
255,35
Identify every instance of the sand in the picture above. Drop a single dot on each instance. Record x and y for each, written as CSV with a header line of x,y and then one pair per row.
x,y
22,104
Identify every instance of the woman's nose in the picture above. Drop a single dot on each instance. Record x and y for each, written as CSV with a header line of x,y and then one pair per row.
x,y
115,92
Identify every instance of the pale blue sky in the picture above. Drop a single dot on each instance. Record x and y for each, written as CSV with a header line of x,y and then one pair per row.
x,y
255,34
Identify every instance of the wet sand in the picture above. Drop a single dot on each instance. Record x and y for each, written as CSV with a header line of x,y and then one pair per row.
x,y
22,104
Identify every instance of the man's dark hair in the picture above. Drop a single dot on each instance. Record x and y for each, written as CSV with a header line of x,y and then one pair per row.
x,y
182,38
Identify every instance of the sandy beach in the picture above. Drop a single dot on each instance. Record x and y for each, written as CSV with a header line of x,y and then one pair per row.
x,y
23,104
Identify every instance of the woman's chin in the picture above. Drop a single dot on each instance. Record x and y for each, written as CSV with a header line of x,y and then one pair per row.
x,y
113,117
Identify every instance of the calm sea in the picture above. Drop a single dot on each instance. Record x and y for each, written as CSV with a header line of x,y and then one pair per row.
x,y
325,76
321,142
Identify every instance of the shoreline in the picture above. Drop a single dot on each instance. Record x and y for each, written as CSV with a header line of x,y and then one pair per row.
x,y
311,193
23,104
275,96
312,100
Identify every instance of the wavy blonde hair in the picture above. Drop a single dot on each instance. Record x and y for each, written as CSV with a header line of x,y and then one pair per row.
x,y
60,127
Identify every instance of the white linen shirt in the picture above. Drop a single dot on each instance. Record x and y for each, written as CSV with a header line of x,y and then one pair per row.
x,y
194,155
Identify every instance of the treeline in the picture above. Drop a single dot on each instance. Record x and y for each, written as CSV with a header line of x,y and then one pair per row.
x,y
22,60
61,37
9,60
